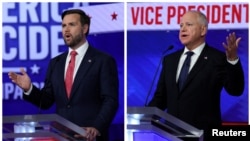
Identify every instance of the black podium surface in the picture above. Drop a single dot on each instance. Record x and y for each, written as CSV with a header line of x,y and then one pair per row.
x,y
153,124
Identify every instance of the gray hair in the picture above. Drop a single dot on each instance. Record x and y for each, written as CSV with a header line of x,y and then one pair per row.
x,y
202,17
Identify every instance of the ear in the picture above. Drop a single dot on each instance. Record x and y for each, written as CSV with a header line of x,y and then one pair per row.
x,y
203,30
85,28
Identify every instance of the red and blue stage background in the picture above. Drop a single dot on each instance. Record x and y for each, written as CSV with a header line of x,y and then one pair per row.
x,y
32,36
153,27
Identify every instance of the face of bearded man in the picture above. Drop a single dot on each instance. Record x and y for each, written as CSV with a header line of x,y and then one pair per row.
x,y
73,32
73,40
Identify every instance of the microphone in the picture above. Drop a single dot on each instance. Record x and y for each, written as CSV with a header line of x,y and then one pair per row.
x,y
169,48
48,82
158,67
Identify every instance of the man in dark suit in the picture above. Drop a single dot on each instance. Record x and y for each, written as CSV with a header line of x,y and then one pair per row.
x,y
92,101
197,101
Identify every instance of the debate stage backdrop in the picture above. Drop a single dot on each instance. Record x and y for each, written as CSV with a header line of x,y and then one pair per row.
x,y
153,27
32,36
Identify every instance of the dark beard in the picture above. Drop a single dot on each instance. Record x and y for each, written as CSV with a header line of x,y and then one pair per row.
x,y
75,40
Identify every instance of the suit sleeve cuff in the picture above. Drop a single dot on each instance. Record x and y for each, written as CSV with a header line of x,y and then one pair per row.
x,y
29,91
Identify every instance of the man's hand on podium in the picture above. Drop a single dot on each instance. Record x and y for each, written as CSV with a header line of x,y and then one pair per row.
x,y
91,134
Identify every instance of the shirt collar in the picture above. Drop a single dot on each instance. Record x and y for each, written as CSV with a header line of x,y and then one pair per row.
x,y
81,50
197,50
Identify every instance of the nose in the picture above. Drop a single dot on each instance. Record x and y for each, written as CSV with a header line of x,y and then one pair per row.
x,y
66,28
183,28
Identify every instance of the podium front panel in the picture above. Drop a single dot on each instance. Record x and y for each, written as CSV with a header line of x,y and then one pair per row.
x,y
47,127
156,124
148,136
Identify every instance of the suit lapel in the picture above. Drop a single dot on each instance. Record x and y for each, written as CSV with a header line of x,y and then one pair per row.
x,y
175,60
86,63
60,74
202,60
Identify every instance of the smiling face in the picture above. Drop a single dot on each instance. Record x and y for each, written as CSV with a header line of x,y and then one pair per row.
x,y
192,30
73,31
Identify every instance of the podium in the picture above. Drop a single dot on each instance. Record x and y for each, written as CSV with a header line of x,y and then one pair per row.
x,y
153,124
43,127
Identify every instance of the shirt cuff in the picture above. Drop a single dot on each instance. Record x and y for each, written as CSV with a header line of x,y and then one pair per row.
x,y
233,62
29,91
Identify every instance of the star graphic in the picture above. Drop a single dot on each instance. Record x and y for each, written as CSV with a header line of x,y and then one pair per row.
x,y
35,69
114,16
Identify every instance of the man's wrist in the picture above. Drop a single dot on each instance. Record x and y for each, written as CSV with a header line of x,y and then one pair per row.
x,y
233,58
28,91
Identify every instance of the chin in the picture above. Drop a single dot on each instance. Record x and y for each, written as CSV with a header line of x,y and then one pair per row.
x,y
68,43
184,43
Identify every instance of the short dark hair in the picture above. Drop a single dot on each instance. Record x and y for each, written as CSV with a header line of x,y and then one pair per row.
x,y
84,19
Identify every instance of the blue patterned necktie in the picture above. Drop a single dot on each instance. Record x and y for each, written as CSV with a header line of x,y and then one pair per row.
x,y
184,70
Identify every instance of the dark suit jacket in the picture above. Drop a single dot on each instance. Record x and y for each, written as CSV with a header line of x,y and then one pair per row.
x,y
199,101
94,97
